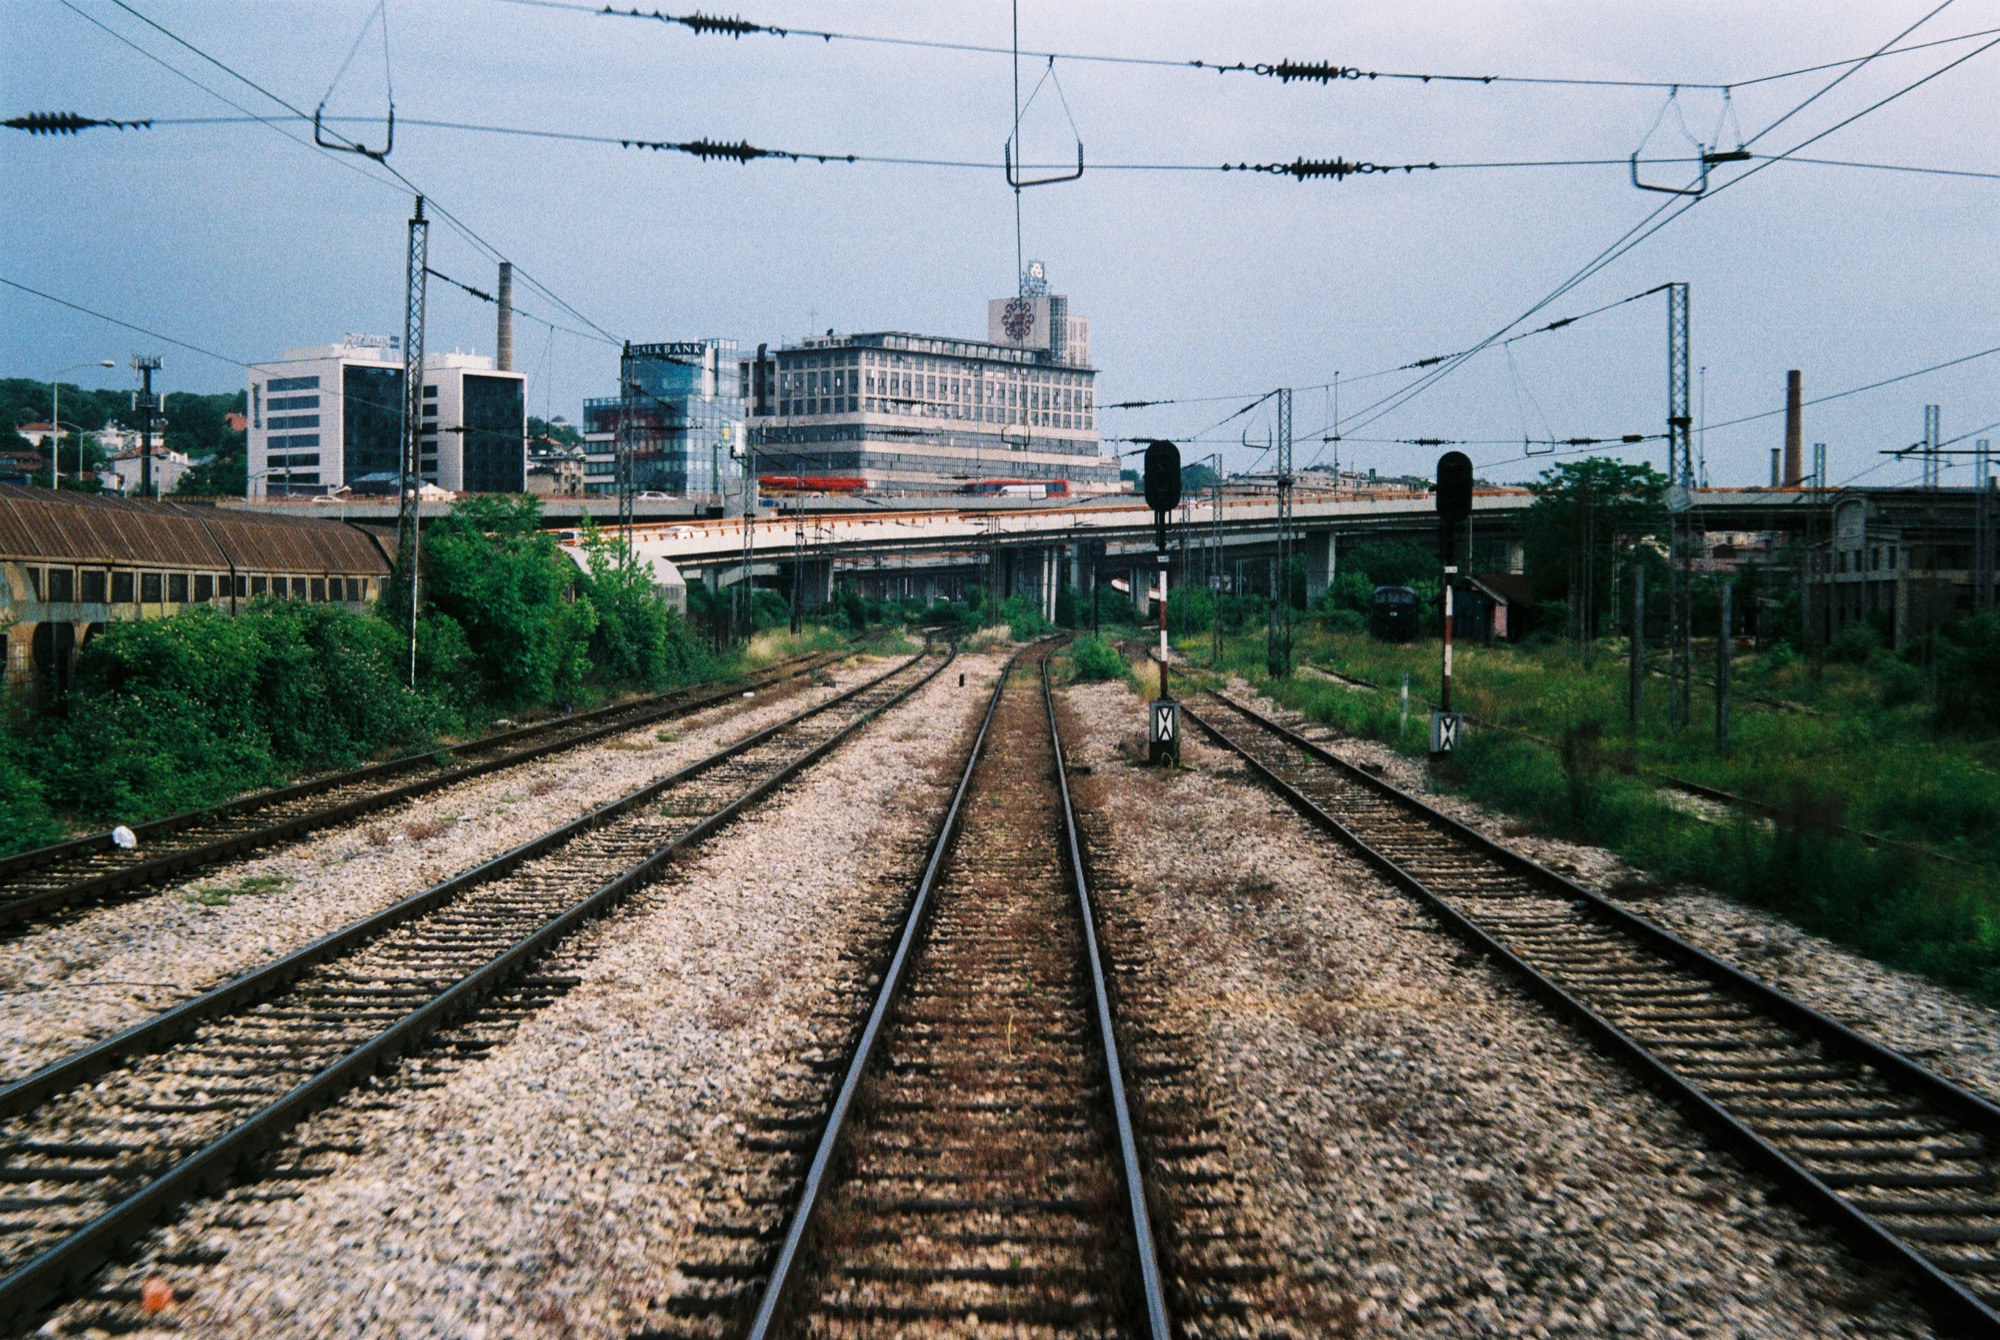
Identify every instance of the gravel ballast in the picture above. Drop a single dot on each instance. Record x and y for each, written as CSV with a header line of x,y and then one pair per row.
x,y
109,967
1958,1037
550,1187
1428,1150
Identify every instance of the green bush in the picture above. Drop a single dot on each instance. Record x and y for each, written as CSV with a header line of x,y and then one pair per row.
x,y
640,640
1855,645
510,589
1092,660
1023,618
177,713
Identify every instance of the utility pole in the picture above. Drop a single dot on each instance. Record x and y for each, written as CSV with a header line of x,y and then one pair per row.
x,y
1680,505
1278,651
409,516
1215,560
1722,675
148,405
746,583
1931,435
1982,526
798,563
1635,691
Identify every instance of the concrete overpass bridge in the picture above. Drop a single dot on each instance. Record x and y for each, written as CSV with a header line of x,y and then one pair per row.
x,y
924,553
928,547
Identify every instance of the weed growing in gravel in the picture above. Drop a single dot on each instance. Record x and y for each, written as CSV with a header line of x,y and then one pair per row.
x,y
1930,917
1093,659
667,736
221,895
423,830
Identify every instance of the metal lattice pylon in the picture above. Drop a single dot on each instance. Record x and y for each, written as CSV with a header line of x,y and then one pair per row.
x,y
408,514
1279,652
628,410
1681,536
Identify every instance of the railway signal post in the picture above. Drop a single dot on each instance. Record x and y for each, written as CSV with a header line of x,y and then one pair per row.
x,y
1163,495
1454,505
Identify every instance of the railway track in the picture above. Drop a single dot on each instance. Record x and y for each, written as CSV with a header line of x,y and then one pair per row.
x,y
1904,1162
40,884
96,1147
975,1169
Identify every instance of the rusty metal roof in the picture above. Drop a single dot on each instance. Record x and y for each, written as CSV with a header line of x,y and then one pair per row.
x,y
46,526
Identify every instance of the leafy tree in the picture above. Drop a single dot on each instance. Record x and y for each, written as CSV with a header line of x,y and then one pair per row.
x,y
223,474
1392,564
562,434
1585,515
1197,477
197,425
492,571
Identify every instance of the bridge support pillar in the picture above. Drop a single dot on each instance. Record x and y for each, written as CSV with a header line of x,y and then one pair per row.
x,y
1142,589
1051,569
1517,557
1319,556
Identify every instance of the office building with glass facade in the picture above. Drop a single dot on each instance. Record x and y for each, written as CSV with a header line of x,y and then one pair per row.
x,y
682,396
923,414
329,417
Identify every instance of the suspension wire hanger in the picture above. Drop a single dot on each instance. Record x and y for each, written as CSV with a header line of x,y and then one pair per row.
x,y
1708,155
342,143
1012,158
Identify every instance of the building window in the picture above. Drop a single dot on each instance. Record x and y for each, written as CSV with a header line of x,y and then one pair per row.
x,y
62,585
204,588
319,590
242,586
149,588
286,421
278,404
177,588
121,588
298,588
257,586
277,384
91,584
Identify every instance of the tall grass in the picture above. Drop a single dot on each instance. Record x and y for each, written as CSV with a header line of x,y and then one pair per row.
x,y
1870,766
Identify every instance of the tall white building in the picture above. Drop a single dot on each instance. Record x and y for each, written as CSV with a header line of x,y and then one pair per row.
x,y
921,413
327,417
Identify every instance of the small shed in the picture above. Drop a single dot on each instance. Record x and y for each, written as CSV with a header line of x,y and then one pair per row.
x,y
666,576
1495,606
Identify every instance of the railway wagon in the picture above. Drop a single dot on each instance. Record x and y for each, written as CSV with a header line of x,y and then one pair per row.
x,y
1017,488
1392,613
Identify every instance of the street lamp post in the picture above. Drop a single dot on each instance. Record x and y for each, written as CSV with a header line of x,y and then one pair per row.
x,y
55,420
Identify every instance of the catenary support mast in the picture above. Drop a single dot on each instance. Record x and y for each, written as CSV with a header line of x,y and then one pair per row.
x,y
408,511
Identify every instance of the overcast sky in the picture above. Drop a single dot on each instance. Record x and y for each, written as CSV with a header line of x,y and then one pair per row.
x,y
1196,284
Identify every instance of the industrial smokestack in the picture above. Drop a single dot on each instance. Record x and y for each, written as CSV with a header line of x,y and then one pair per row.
x,y
503,354
1795,467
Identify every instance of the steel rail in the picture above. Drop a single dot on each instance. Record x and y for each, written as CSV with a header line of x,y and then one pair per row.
x,y
1943,1295
612,720
814,1186
38,1281
85,1064
1157,1324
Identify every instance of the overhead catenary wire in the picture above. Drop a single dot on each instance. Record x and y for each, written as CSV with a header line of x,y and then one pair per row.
x,y
1300,169
1285,71
117,321
452,220
1661,216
